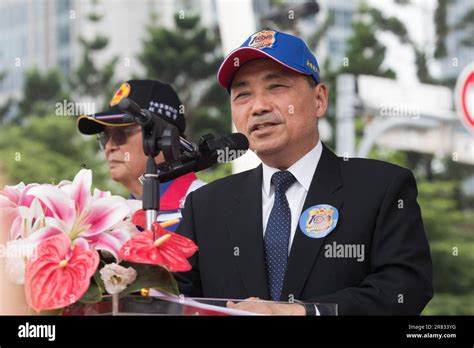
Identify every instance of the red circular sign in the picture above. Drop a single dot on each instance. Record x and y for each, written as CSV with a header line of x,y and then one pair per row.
x,y
465,96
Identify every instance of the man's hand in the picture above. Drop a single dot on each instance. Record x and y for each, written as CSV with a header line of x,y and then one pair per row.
x,y
255,305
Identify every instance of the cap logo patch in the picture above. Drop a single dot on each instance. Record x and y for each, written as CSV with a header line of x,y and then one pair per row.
x,y
121,93
262,39
312,66
163,109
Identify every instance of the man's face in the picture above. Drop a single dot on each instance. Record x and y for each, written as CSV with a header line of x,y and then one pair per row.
x,y
126,161
276,109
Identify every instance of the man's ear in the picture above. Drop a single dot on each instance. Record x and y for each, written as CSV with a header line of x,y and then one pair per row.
x,y
321,99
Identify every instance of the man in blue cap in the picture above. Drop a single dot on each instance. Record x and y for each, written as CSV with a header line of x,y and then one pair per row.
x,y
305,226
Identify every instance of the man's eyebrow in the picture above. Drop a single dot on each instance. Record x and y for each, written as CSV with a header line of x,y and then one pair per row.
x,y
239,84
273,76
266,78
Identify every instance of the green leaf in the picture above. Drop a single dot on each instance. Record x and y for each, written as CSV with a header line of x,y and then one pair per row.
x,y
57,311
151,276
93,294
97,277
96,288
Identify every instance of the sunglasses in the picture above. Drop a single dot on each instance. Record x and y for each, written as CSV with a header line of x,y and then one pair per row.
x,y
119,135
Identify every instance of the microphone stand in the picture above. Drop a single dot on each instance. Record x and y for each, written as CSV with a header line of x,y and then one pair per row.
x,y
158,135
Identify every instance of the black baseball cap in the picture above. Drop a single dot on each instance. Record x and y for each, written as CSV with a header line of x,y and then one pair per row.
x,y
153,95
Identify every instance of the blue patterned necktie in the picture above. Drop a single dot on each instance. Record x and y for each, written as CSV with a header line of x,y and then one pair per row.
x,y
277,234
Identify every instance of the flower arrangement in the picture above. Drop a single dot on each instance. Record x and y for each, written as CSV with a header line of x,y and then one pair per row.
x,y
66,244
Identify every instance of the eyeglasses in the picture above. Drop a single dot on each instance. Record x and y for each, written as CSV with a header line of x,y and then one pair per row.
x,y
119,135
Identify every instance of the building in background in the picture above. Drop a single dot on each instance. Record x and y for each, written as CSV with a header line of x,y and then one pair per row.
x,y
458,55
33,34
333,45
45,34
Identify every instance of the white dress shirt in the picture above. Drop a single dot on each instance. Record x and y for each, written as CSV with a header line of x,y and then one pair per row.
x,y
303,170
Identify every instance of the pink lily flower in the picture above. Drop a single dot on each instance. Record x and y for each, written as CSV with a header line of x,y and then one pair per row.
x,y
82,216
14,209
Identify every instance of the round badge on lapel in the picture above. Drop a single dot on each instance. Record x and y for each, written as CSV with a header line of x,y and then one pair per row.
x,y
319,220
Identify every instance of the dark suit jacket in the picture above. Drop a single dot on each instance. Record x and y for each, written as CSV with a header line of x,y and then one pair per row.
x,y
377,208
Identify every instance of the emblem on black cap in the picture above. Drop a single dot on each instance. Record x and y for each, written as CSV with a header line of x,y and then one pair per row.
x,y
122,92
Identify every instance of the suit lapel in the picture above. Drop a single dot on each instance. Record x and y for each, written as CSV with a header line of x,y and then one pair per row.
x,y
245,225
304,250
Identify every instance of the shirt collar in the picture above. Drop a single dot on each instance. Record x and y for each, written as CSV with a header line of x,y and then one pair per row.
x,y
303,169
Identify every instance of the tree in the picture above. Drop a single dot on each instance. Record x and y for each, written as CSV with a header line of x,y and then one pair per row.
x,y
188,58
89,79
40,93
467,23
49,149
449,230
441,29
285,15
365,54
5,108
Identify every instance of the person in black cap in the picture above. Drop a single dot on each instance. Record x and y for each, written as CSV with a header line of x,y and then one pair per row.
x,y
123,147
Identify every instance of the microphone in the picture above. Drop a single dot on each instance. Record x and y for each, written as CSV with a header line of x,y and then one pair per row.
x,y
210,151
145,117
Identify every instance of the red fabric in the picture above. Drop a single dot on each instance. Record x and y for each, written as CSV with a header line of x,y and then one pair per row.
x,y
171,199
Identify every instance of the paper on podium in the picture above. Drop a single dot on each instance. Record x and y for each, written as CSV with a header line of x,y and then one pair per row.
x,y
192,306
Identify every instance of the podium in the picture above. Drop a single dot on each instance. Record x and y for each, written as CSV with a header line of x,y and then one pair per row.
x,y
164,304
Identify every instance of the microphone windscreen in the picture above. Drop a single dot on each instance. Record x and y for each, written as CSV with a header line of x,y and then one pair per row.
x,y
236,141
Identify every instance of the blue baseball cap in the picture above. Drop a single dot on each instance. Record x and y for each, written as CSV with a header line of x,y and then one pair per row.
x,y
285,49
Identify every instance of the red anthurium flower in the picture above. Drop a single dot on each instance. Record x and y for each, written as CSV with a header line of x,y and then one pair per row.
x,y
170,250
59,274
139,218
